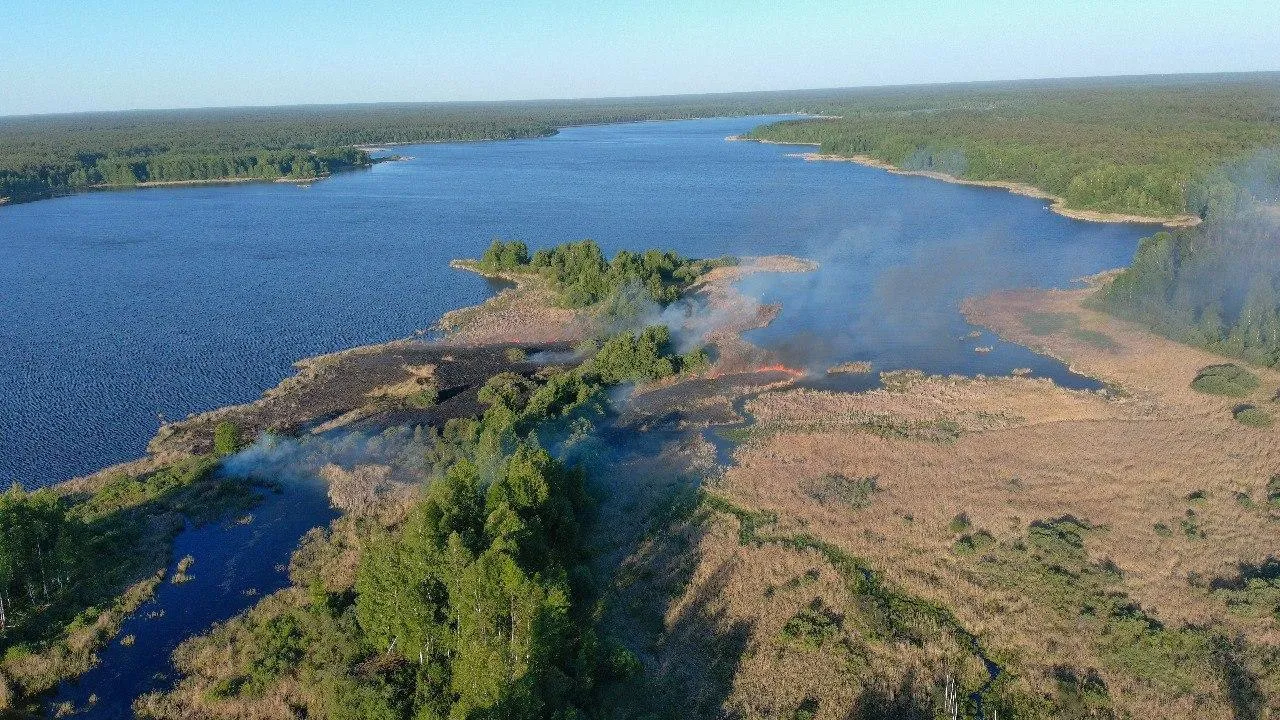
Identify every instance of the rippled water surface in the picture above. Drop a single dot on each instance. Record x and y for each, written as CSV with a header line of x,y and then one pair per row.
x,y
117,307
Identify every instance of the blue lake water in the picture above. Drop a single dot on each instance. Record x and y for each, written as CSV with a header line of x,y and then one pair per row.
x,y
119,306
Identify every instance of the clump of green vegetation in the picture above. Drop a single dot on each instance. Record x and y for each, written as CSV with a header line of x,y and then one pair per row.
x,y
1253,416
515,355
1273,490
1163,530
425,398
1081,694
1046,323
813,625
960,523
806,710
226,438
1254,591
502,255
1227,379
643,356
971,544
800,581
1191,526
1198,496
582,276
834,487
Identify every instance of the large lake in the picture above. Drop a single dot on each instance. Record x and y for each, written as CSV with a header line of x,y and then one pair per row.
x,y
121,307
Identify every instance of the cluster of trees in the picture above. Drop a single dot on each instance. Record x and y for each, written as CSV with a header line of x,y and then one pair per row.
x,y
37,549
1216,286
646,356
479,603
584,277
1146,146
31,182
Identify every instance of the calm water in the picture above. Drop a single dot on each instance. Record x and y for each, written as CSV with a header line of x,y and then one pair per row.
x,y
236,565
119,306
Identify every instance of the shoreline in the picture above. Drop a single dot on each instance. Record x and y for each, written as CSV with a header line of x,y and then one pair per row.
x,y
159,452
1057,204
211,181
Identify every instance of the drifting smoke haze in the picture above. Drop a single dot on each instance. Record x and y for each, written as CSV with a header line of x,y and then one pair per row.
x,y
360,471
869,296
1216,285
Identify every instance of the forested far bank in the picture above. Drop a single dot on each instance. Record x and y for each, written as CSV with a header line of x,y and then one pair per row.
x,y
1145,148
98,170
1142,145
42,156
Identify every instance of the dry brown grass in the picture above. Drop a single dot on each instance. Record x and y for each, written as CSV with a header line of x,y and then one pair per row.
x,y
525,314
1026,450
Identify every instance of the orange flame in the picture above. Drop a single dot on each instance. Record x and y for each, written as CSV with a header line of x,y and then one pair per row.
x,y
779,367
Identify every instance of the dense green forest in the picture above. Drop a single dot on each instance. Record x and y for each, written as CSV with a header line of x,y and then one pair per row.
x,y
1216,286
1149,146
1141,144
46,155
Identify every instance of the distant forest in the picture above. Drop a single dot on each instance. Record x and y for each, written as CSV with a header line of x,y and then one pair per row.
x,y
1152,146
1149,145
42,156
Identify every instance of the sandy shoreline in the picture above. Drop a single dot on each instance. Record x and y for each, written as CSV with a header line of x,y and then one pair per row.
x,y
210,181
1057,204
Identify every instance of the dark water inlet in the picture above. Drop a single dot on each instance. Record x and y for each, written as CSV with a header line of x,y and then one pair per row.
x,y
236,563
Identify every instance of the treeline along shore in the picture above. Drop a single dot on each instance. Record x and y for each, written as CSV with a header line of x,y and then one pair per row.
x,y
1154,147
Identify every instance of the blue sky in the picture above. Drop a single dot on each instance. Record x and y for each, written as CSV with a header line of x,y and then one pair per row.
x,y
73,55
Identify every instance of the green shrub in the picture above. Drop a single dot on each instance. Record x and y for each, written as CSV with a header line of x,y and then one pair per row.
x,y
1253,416
960,523
834,487
226,438
1191,526
813,625
1227,379
972,544
425,398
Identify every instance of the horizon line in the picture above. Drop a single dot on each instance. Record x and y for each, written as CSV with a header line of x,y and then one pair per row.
x,y
616,98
